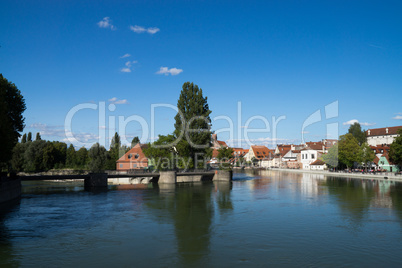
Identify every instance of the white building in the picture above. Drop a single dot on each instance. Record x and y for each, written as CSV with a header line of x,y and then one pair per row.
x,y
308,156
379,136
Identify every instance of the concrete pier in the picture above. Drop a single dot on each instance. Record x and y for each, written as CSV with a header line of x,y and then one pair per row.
x,y
223,175
95,181
167,177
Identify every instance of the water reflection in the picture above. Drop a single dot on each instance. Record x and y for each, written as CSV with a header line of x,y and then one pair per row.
x,y
6,249
189,207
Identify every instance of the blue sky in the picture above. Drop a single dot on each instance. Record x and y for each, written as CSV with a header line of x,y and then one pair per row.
x,y
272,58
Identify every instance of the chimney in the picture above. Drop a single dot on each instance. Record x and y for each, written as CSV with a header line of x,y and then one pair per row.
x,y
386,130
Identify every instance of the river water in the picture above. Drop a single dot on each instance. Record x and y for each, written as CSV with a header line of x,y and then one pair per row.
x,y
269,218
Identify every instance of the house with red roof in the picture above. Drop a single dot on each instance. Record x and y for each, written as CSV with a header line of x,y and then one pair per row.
x,y
133,159
381,136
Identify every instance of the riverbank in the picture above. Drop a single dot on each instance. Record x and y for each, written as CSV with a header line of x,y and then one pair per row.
x,y
378,176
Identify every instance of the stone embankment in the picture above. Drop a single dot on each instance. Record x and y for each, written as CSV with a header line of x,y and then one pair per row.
x,y
377,175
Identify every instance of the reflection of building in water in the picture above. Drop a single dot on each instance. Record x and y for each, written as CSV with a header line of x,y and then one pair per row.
x,y
310,184
382,198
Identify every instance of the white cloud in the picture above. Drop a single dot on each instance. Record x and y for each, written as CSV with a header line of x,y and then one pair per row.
x,y
115,100
167,71
351,122
125,70
140,29
128,64
106,23
398,117
125,56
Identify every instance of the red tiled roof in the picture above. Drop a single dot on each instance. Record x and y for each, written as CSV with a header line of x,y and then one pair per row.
x,y
318,162
261,152
135,154
379,149
382,131
315,145
222,143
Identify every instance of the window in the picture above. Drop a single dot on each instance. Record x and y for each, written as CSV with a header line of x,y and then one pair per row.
x,y
136,156
134,165
312,156
302,156
121,165
129,156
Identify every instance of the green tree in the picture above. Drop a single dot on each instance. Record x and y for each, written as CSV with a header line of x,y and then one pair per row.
x,y
70,157
38,138
81,159
17,160
12,105
33,156
24,138
349,150
224,155
161,155
97,158
395,151
114,152
331,158
367,155
29,136
135,141
358,133
192,124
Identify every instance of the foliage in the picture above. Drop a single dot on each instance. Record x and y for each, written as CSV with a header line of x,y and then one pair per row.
x,y
367,155
114,153
160,154
12,105
97,156
81,158
38,138
24,138
135,141
331,158
358,133
70,157
29,136
349,150
225,153
395,152
192,124
33,156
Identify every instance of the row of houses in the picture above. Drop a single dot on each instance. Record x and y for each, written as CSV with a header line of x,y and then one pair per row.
x,y
302,156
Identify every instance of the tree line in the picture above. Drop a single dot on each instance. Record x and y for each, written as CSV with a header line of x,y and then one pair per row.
x,y
41,155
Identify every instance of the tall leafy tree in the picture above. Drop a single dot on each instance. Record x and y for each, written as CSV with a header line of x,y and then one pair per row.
x,y
81,158
114,152
192,124
33,156
29,136
161,155
224,155
331,158
349,150
367,155
70,157
395,152
12,106
97,158
38,138
358,133
24,138
135,141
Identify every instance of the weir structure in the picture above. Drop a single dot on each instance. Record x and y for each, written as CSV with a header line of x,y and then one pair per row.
x,y
10,187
